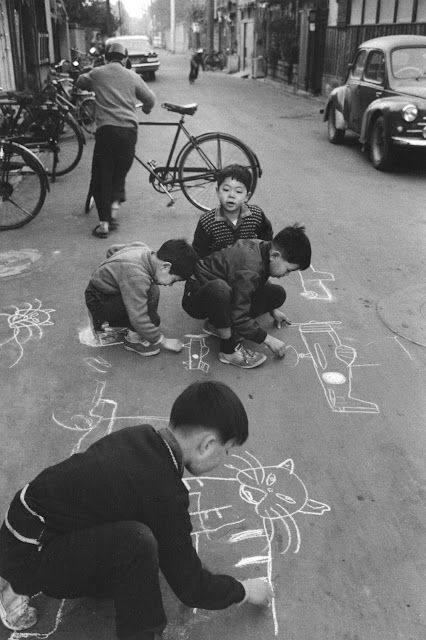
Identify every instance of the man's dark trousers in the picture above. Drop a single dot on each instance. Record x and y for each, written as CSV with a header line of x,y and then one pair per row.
x,y
112,158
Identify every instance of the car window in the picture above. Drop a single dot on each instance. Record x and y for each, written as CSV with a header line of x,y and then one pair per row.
x,y
408,62
375,67
358,65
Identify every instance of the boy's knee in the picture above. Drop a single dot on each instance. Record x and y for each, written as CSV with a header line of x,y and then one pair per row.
x,y
220,289
137,537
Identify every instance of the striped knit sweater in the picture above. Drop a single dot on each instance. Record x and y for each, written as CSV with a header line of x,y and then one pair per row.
x,y
214,231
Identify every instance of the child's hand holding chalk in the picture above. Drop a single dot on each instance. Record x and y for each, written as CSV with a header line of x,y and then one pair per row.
x,y
280,319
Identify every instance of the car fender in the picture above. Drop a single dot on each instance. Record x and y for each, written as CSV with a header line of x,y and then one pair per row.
x,y
383,107
337,100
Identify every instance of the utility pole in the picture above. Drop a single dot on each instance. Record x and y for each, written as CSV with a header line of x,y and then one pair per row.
x,y
210,25
108,18
172,25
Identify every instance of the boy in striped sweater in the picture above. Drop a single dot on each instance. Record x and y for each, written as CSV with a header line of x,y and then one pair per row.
x,y
233,219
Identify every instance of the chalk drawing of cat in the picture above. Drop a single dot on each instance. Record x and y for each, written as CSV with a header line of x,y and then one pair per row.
x,y
275,493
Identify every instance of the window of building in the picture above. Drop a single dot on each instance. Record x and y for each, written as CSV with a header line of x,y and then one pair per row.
x,y
421,11
387,11
370,11
356,11
405,11
358,66
375,68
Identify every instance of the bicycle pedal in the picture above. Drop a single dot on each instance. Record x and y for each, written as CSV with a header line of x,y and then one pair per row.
x,y
152,163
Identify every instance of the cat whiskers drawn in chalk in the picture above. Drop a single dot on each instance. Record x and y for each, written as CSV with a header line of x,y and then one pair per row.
x,y
24,323
276,495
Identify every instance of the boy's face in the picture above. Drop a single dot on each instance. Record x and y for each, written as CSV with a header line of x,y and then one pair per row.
x,y
210,453
232,195
278,267
164,277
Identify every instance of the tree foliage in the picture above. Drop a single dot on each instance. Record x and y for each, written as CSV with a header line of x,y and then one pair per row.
x,y
92,14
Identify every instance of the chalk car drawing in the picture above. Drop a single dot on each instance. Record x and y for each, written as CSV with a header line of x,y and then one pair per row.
x,y
313,283
197,352
333,363
19,327
275,494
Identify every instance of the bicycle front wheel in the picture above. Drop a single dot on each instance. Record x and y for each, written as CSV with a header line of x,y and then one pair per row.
x,y
202,159
23,186
86,114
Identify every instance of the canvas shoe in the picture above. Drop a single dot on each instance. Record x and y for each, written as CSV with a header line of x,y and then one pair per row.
x,y
210,329
15,611
243,357
143,348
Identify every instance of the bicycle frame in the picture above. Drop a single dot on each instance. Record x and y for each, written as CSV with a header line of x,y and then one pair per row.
x,y
166,184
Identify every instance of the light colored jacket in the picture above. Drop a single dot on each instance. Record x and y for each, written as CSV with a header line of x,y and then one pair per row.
x,y
129,271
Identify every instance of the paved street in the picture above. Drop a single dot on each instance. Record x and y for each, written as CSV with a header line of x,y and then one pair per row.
x,y
337,427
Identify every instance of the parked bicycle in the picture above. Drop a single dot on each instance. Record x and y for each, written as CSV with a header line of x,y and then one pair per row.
x,y
23,185
194,168
45,127
81,104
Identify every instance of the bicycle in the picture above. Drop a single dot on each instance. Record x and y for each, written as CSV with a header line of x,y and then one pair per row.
x,y
45,127
81,104
196,165
23,185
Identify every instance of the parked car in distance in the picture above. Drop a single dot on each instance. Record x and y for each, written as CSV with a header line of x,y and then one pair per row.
x,y
383,99
143,58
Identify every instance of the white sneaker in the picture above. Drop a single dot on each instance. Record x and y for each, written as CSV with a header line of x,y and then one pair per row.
x,y
243,357
15,611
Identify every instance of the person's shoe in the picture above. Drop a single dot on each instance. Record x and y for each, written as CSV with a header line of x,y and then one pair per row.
x,y
243,358
15,611
100,232
143,348
210,329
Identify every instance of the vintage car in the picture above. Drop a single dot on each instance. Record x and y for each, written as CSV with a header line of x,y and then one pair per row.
x,y
143,58
383,99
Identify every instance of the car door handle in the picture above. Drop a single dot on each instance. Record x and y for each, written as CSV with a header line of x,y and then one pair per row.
x,y
379,94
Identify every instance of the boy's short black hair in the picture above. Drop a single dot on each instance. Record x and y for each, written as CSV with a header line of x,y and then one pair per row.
x,y
213,405
294,245
181,256
236,172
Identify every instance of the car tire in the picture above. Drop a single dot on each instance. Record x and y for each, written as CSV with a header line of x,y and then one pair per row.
x,y
335,135
382,154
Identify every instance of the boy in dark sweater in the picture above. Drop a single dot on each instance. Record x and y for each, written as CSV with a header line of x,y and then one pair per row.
x,y
102,522
233,219
230,288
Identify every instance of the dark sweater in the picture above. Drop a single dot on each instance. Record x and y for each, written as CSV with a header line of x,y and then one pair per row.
x,y
215,231
130,476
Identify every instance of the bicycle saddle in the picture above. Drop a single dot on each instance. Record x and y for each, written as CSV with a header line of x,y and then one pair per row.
x,y
184,109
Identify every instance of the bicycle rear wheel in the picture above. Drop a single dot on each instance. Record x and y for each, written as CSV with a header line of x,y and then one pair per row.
x,y
23,186
201,160
62,147
86,114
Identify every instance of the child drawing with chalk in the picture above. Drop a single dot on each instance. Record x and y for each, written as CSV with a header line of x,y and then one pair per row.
x,y
103,522
230,288
123,292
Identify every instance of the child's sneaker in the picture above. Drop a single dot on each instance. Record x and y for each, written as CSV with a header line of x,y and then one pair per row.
x,y
243,357
143,348
210,329
15,611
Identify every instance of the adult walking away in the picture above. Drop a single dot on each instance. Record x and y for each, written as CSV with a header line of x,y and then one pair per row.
x,y
117,91
230,288
103,522
196,62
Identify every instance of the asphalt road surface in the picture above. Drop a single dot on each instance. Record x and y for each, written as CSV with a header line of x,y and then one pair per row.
x,y
336,428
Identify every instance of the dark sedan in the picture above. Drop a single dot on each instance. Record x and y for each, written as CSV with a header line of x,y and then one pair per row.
x,y
383,99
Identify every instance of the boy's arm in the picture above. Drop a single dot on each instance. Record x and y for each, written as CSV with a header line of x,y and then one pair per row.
x,y
265,230
134,291
201,242
145,95
244,284
194,585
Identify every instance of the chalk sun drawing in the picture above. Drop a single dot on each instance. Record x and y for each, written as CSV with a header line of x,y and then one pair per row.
x,y
24,323
313,284
197,351
333,363
275,495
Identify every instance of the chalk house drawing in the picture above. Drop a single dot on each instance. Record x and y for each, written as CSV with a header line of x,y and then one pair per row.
x,y
275,495
19,327
313,283
197,352
333,363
